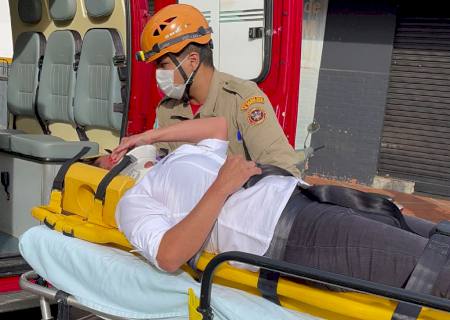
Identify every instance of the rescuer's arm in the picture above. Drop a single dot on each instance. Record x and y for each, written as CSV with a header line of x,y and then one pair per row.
x,y
184,240
191,131
263,136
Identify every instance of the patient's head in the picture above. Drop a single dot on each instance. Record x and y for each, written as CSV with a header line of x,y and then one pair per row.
x,y
142,160
104,162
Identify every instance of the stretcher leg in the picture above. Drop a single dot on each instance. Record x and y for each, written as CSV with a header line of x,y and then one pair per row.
x,y
45,309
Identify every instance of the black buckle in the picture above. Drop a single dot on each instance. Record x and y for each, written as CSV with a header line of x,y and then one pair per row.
x,y
443,228
119,60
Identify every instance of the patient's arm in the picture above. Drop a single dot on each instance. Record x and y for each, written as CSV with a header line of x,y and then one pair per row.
x,y
191,131
183,241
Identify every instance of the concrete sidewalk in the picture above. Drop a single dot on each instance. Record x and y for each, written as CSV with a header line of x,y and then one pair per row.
x,y
417,205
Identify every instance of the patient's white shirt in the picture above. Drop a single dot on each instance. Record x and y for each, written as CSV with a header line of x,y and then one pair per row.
x,y
177,183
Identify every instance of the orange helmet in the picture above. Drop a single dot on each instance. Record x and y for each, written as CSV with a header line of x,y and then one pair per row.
x,y
171,29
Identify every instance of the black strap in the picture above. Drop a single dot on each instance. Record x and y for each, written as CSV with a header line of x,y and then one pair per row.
x,y
296,204
373,206
120,61
267,285
48,224
267,170
43,124
434,257
406,311
58,183
101,189
158,47
78,45
14,124
63,305
426,272
81,132
357,200
4,177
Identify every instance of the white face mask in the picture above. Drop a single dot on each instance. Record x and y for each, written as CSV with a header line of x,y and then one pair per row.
x,y
166,82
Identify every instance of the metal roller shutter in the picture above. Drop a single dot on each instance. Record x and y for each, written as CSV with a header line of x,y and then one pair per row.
x,y
416,136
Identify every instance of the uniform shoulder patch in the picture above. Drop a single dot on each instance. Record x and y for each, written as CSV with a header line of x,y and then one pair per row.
x,y
250,101
256,116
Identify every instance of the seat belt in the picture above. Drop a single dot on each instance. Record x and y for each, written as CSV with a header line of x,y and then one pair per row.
x,y
81,131
119,61
426,272
43,124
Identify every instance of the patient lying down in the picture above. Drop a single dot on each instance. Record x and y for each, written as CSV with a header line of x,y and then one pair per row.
x,y
193,200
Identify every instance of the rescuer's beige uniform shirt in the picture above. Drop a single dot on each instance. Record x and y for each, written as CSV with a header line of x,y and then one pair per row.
x,y
252,123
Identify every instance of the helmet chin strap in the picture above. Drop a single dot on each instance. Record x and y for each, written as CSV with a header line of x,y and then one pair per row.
x,y
188,81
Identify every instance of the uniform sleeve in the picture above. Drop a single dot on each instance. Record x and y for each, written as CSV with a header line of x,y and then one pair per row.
x,y
144,222
262,134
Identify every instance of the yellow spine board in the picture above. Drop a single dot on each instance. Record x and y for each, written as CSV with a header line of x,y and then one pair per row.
x,y
322,303
76,212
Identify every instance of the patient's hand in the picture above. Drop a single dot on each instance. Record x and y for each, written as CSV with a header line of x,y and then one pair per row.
x,y
234,173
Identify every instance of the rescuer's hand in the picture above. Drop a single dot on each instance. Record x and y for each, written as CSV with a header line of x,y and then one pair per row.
x,y
130,142
234,173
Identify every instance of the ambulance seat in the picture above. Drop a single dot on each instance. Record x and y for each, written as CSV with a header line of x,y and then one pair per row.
x,y
99,8
96,95
98,99
30,11
62,10
23,79
55,100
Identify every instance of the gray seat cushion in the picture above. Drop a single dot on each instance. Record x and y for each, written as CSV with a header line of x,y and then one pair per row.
x,y
98,84
30,11
62,10
5,138
99,8
57,83
49,147
23,74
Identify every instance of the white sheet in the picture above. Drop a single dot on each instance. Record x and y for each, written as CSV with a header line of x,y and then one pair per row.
x,y
122,284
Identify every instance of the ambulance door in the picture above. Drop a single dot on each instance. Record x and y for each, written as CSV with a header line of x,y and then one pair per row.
x,y
241,35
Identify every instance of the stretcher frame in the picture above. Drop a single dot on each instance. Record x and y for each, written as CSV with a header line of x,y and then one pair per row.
x,y
47,295
410,298
204,310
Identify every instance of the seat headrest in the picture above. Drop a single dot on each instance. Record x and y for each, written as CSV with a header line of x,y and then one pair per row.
x,y
99,8
62,10
30,11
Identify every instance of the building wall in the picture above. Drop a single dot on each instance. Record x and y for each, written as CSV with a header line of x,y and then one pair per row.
x,y
352,88
313,29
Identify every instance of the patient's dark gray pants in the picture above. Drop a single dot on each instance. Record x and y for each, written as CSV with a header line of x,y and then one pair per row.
x,y
335,239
